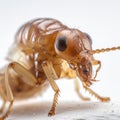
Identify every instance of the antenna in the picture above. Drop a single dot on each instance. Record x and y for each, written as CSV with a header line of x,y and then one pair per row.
x,y
97,51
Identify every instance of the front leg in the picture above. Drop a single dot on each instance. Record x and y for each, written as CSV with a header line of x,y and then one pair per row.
x,y
51,76
102,99
77,89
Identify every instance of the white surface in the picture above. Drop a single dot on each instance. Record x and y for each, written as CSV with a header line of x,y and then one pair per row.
x,y
67,111
101,19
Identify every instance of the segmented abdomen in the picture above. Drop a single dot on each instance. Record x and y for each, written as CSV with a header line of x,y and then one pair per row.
x,y
31,33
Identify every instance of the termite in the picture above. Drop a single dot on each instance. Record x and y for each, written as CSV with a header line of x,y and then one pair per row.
x,y
45,50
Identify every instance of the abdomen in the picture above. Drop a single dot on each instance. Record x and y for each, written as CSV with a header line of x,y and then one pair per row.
x,y
33,32
32,35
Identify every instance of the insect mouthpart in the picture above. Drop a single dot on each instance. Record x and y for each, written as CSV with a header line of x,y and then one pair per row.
x,y
85,74
84,71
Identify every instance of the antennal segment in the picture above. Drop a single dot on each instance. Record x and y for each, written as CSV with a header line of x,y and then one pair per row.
x,y
97,51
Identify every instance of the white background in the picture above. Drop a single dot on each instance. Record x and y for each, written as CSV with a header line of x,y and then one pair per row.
x,y
101,19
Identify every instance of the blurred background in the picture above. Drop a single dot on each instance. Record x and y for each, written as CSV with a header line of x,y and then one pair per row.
x,y
100,19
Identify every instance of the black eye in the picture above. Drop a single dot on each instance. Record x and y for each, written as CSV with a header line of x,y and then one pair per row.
x,y
85,71
61,43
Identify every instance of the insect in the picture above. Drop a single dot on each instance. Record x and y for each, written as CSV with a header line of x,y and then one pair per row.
x,y
43,51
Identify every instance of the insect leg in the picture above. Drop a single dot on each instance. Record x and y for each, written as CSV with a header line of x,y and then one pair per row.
x,y
51,76
9,93
77,89
4,99
102,99
96,62
21,71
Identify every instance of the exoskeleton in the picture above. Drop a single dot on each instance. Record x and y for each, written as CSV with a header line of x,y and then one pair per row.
x,y
43,51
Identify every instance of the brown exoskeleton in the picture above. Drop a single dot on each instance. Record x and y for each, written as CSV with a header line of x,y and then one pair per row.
x,y
45,50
